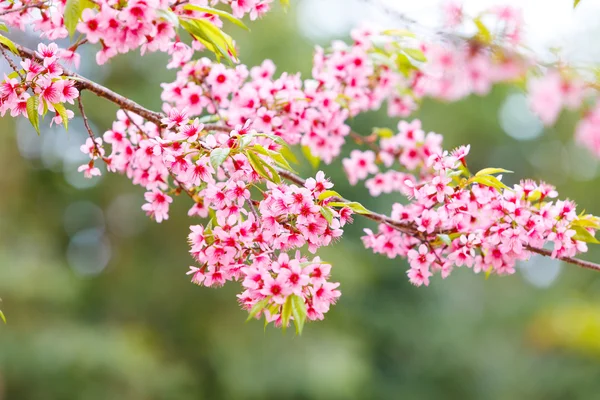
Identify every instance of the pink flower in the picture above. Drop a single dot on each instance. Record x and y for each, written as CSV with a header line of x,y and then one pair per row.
x,y
157,205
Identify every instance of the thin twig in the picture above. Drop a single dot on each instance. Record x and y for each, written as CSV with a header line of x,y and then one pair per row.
x,y
570,260
25,7
87,126
10,62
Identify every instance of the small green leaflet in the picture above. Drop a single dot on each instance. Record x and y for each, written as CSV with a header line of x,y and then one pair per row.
x,y
9,44
483,33
73,11
575,3
398,32
2,316
61,110
415,54
32,112
314,161
258,307
259,165
298,312
445,238
383,132
327,214
489,180
286,313
214,39
220,13
329,193
218,156
583,235
490,171
354,206
169,16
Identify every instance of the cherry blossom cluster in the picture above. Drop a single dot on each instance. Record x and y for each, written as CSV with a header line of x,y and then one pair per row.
x,y
223,142
454,218
39,87
246,240
120,27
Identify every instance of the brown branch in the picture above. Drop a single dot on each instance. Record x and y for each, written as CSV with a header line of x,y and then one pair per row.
x,y
100,91
570,260
25,7
412,230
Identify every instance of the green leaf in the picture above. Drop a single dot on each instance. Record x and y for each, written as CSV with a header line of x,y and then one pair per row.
x,y
416,54
280,160
73,11
218,156
404,65
245,140
274,174
285,4
8,43
220,13
489,180
32,112
169,16
483,33
583,235
286,313
313,160
383,132
62,111
588,222
488,272
3,27
2,316
575,3
327,214
299,313
214,39
277,139
329,193
72,14
288,154
354,206
445,239
490,171
398,32
259,166
258,307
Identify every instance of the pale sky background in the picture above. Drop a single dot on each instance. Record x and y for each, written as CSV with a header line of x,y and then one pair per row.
x,y
549,23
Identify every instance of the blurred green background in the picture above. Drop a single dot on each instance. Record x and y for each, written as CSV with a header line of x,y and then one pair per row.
x,y
99,306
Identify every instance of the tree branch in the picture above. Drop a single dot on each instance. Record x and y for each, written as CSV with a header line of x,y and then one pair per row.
x,y
100,91
156,117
